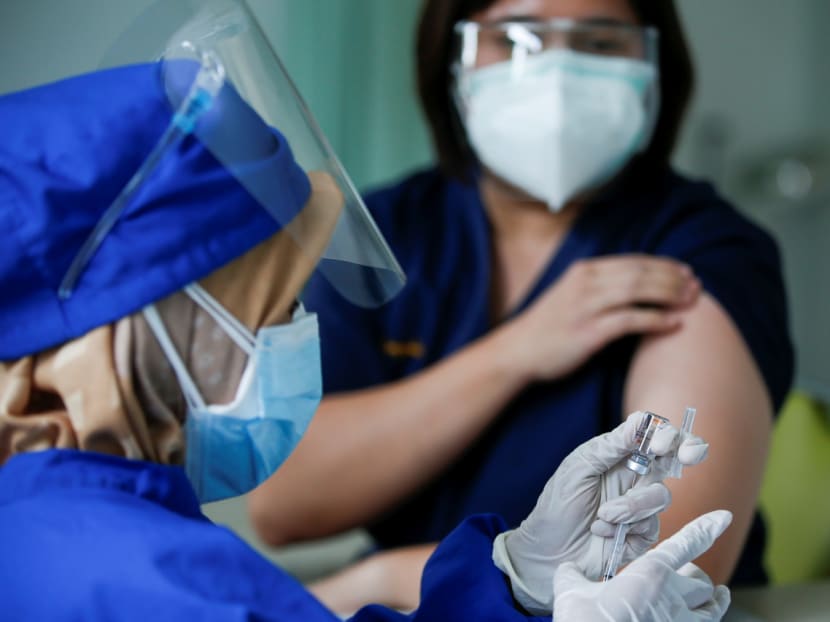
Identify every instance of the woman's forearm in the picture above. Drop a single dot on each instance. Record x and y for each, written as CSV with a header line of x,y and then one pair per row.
x,y
367,450
391,578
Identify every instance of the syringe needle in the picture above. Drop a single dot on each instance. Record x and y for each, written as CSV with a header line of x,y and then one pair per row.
x,y
616,552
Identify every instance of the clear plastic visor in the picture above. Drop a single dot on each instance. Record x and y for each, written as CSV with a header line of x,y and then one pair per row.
x,y
227,86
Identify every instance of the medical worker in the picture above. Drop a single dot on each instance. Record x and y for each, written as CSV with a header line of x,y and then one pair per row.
x,y
155,357
561,274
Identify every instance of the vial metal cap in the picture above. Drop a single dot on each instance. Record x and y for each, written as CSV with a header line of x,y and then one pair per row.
x,y
638,463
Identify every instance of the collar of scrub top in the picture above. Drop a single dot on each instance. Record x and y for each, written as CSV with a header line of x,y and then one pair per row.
x,y
72,149
59,470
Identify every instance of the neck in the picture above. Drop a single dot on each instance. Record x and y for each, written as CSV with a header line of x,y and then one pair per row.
x,y
513,216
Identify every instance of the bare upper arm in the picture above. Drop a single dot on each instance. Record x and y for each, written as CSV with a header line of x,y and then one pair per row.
x,y
707,364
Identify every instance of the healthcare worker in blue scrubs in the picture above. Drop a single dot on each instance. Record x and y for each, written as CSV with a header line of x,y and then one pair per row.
x,y
155,356
561,275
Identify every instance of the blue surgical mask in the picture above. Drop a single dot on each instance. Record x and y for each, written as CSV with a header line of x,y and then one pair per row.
x,y
232,448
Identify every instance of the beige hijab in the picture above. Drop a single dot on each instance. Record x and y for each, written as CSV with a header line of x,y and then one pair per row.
x,y
113,391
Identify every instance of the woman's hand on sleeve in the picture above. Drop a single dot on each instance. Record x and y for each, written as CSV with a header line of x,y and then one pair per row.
x,y
595,302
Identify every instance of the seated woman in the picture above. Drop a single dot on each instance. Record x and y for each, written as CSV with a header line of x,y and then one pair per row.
x,y
560,275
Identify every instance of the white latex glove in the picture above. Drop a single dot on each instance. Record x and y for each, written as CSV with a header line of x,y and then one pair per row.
x,y
572,521
661,586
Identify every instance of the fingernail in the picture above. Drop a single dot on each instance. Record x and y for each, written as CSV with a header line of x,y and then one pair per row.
x,y
671,320
692,290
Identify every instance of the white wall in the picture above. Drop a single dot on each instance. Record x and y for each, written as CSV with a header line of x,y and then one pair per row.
x,y
41,40
763,98
351,60
753,70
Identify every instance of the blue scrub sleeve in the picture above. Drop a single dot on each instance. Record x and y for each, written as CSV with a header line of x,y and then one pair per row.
x,y
460,581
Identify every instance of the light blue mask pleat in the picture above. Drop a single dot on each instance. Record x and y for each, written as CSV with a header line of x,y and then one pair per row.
x,y
233,448
231,453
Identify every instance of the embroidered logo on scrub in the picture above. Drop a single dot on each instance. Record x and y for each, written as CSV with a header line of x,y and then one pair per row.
x,y
403,349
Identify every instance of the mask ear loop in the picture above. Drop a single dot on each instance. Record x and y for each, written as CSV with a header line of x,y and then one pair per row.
x,y
237,331
191,393
299,311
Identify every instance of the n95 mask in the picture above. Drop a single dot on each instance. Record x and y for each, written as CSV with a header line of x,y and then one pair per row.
x,y
559,122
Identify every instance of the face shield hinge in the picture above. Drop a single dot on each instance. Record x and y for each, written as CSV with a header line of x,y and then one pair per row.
x,y
206,86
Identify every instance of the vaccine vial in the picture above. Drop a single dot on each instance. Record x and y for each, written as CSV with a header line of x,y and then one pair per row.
x,y
639,460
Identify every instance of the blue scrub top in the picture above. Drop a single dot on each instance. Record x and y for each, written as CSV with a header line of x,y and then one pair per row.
x,y
440,233
91,537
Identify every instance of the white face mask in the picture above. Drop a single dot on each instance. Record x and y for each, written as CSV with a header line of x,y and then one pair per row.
x,y
560,122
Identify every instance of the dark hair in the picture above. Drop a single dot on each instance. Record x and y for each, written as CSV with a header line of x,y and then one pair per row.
x,y
435,49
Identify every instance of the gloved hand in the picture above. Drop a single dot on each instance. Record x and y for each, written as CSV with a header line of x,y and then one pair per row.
x,y
572,521
661,586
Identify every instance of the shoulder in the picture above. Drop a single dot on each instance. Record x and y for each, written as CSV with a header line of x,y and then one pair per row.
x,y
422,191
429,182
422,203
683,217
737,261
674,216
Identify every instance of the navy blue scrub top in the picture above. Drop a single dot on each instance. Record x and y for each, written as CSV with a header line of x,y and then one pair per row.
x,y
85,536
440,233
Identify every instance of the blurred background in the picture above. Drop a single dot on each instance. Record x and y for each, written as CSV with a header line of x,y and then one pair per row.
x,y
759,129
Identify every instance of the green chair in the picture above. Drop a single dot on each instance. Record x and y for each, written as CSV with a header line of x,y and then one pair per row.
x,y
795,495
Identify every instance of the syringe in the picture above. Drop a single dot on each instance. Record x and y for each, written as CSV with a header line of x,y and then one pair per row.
x,y
616,552
676,468
639,461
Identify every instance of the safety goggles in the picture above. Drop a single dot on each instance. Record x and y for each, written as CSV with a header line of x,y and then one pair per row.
x,y
481,44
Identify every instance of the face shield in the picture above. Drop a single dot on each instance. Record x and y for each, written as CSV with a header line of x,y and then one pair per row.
x,y
555,108
226,87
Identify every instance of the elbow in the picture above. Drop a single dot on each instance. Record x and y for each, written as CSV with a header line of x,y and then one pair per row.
x,y
279,520
269,523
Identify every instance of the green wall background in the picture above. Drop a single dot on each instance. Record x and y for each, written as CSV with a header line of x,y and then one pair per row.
x,y
351,59
353,62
